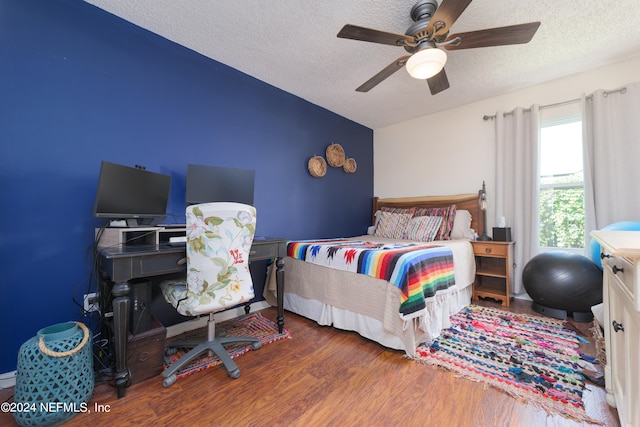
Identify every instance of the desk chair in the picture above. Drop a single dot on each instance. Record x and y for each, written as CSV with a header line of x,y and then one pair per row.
x,y
219,237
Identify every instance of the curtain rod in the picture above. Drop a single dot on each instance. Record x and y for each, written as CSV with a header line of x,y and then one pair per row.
x,y
557,104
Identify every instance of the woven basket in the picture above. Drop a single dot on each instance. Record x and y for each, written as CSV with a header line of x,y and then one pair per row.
x,y
317,166
350,165
601,348
335,155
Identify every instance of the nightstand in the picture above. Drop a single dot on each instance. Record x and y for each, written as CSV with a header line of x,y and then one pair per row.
x,y
494,270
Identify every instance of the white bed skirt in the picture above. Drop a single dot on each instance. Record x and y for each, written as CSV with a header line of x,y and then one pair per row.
x,y
373,329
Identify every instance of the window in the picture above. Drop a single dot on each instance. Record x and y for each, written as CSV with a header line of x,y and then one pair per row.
x,y
561,185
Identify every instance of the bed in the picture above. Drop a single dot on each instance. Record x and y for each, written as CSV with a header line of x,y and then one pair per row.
x,y
372,306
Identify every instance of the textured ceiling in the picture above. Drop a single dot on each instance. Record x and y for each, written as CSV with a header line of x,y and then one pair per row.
x,y
292,45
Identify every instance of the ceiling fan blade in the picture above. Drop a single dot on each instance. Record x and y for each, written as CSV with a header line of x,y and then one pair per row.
x,y
386,72
446,14
438,83
375,36
513,34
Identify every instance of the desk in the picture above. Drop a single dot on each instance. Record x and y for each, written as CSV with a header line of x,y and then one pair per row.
x,y
122,263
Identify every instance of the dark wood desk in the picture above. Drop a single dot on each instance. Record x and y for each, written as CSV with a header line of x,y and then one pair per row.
x,y
122,263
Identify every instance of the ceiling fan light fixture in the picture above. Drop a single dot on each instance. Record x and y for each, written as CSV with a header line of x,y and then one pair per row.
x,y
426,63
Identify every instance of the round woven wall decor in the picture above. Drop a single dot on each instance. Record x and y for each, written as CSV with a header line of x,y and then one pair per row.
x,y
335,155
350,165
317,166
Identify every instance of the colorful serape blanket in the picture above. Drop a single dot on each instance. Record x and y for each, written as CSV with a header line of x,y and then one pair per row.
x,y
417,270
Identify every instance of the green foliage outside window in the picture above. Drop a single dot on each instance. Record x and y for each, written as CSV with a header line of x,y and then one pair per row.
x,y
562,214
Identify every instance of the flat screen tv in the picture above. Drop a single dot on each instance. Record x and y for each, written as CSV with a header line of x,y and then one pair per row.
x,y
219,184
130,193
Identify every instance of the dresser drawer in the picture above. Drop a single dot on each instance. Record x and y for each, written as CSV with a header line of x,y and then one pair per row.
x,y
490,249
623,270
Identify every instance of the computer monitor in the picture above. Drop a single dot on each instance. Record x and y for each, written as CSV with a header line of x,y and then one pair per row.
x,y
219,184
130,193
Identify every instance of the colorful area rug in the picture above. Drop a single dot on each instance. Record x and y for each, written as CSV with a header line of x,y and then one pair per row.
x,y
532,358
253,324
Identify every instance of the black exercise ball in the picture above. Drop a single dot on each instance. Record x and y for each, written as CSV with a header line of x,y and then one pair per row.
x,y
563,281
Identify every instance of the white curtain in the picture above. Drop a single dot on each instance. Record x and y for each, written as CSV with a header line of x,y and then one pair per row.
x,y
517,175
611,134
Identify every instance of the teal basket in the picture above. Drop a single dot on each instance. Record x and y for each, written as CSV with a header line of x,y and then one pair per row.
x,y
55,377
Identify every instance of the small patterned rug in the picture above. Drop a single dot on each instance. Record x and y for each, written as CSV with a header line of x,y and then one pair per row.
x,y
252,324
532,358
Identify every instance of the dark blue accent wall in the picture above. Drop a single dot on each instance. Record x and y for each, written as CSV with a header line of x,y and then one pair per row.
x,y
78,86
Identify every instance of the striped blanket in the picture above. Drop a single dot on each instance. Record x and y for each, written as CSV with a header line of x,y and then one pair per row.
x,y
417,270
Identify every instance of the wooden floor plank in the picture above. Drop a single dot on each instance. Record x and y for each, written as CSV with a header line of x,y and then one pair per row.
x,y
324,376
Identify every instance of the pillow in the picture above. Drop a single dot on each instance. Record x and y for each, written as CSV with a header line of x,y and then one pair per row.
x,y
423,228
408,211
448,215
462,225
392,225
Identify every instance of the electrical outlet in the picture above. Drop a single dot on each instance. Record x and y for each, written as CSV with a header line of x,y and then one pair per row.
x,y
91,302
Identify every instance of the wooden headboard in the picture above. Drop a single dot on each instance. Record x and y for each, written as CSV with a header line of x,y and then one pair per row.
x,y
462,201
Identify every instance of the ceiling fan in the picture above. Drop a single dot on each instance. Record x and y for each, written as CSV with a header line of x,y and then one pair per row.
x,y
430,32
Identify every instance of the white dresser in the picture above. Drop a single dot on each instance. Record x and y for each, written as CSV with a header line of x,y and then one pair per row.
x,y
621,264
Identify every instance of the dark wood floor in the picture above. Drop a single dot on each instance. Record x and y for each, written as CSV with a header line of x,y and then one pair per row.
x,y
324,376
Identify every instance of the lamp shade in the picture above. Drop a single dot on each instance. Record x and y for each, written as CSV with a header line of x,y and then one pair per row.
x,y
426,63
482,200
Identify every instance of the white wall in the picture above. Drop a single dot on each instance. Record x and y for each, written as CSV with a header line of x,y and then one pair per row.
x,y
453,151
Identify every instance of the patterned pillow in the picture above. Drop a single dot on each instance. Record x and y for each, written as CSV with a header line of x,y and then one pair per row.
x,y
423,228
448,215
408,211
392,225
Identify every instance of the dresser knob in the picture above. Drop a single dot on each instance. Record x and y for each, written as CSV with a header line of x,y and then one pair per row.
x,y
617,326
487,250
617,270
603,255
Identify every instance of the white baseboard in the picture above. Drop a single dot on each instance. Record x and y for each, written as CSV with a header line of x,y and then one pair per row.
x,y
201,322
8,380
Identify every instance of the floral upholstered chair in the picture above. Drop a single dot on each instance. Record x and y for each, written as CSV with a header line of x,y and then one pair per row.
x,y
219,237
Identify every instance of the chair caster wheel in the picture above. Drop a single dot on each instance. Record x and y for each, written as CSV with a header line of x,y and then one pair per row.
x,y
235,373
256,345
169,380
170,351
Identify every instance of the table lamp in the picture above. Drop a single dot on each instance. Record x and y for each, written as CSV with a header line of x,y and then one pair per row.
x,y
482,200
